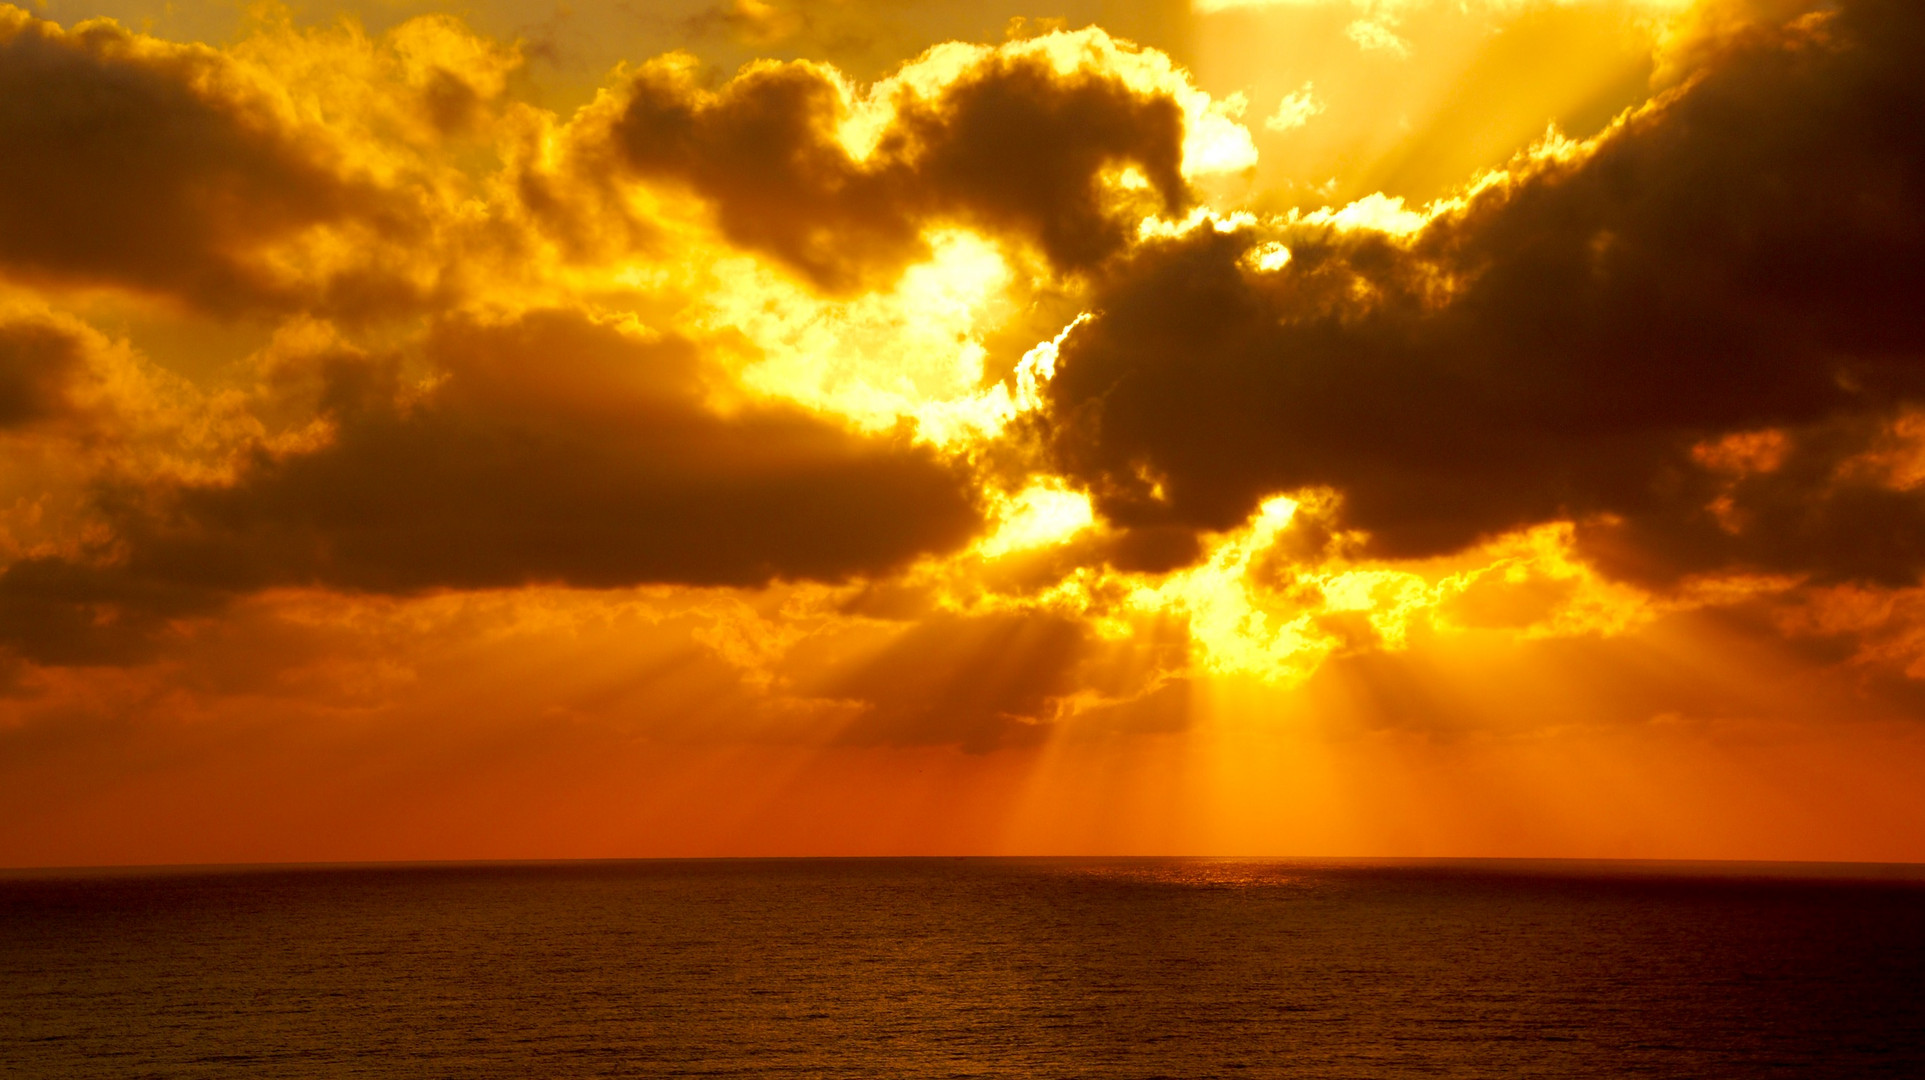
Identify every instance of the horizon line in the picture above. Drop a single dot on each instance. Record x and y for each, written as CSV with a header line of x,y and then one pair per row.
x,y
1791,869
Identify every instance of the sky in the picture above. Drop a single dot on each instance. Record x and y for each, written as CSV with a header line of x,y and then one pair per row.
x,y
836,427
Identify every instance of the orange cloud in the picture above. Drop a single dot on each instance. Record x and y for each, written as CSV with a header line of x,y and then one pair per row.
x,y
549,448
1738,255
160,168
1005,143
38,363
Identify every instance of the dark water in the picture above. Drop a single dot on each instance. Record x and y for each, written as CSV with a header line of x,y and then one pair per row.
x,y
957,968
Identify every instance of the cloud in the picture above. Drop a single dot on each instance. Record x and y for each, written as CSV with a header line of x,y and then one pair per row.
x,y
980,683
551,447
1377,34
1741,255
1026,141
68,391
1295,110
39,360
59,611
563,449
166,169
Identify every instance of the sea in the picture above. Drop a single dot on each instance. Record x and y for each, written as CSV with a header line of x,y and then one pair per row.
x,y
1137,968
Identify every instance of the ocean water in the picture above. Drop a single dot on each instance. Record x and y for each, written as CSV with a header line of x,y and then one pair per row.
x,y
965,968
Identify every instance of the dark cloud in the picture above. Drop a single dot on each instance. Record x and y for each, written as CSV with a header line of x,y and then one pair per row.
x,y
1010,146
558,449
1745,253
134,163
38,364
451,103
60,611
551,449
995,679
981,683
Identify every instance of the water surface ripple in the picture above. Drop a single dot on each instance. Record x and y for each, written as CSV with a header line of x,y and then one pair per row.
x,y
964,968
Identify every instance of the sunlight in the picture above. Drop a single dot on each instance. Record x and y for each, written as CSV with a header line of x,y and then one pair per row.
x,y
915,350
1040,515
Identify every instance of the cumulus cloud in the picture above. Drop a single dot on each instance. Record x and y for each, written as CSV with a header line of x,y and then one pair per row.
x,y
38,362
1017,141
559,448
160,168
1741,255
1295,110
550,447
